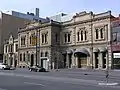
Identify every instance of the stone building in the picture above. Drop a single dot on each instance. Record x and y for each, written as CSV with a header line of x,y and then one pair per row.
x,y
81,42
11,51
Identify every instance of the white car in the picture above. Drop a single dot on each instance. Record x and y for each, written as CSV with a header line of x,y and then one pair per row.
x,y
4,66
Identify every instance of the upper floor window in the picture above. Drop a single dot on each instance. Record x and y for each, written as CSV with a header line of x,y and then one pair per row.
x,y
69,37
6,49
23,40
97,33
78,36
30,39
65,37
101,32
41,54
11,48
46,54
85,35
16,47
44,37
56,37
20,57
24,57
81,35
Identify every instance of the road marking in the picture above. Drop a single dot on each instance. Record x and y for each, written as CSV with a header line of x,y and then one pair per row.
x,y
30,83
2,89
108,84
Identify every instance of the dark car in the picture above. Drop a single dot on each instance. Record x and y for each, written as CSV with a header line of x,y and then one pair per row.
x,y
37,69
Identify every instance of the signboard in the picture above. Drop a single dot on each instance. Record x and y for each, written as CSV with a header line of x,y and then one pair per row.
x,y
116,55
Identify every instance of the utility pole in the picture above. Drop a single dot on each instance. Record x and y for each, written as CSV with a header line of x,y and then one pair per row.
x,y
36,36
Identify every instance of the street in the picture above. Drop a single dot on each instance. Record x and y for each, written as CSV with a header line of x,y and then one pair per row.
x,y
22,79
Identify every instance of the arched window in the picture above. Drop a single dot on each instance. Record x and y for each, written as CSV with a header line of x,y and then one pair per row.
x,y
78,37
101,32
85,35
81,35
65,37
46,54
41,54
24,57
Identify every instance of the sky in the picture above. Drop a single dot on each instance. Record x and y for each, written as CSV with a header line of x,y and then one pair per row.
x,y
53,7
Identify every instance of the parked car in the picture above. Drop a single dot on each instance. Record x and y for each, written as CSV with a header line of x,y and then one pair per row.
x,y
37,69
4,66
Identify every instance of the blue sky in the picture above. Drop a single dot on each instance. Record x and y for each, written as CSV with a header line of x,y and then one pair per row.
x,y
52,7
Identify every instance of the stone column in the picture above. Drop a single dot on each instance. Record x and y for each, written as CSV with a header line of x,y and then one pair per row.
x,y
100,60
73,61
67,61
94,61
107,60
76,61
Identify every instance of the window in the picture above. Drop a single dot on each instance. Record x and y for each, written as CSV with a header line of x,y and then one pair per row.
x,y
69,37
45,38
24,57
46,54
11,48
20,57
85,35
101,32
6,49
42,38
16,47
81,35
78,37
96,31
41,54
23,40
31,39
56,37
65,37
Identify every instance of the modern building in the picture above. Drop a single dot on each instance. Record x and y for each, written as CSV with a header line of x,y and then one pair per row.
x,y
11,51
29,16
81,41
115,46
9,24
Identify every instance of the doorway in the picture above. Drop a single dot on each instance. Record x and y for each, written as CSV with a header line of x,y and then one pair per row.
x,y
32,60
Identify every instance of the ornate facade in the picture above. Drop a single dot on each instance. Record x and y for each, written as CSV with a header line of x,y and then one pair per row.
x,y
81,42
10,56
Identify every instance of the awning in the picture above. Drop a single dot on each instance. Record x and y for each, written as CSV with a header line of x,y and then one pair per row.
x,y
82,50
69,51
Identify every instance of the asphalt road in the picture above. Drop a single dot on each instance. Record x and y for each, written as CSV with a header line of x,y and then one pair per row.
x,y
22,79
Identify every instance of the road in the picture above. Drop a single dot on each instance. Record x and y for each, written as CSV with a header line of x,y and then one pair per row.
x,y
22,79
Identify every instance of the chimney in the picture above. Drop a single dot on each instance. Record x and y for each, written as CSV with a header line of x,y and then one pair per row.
x,y
37,12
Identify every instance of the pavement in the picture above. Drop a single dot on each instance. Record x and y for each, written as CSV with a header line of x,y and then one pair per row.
x,y
67,79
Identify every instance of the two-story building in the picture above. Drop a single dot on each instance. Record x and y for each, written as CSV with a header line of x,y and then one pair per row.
x,y
81,42
10,56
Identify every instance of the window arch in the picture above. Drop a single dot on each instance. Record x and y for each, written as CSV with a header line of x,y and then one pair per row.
x,y
81,35
78,37
46,54
85,35
41,54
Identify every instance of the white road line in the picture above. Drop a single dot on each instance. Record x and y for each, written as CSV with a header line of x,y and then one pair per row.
x,y
2,89
30,83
